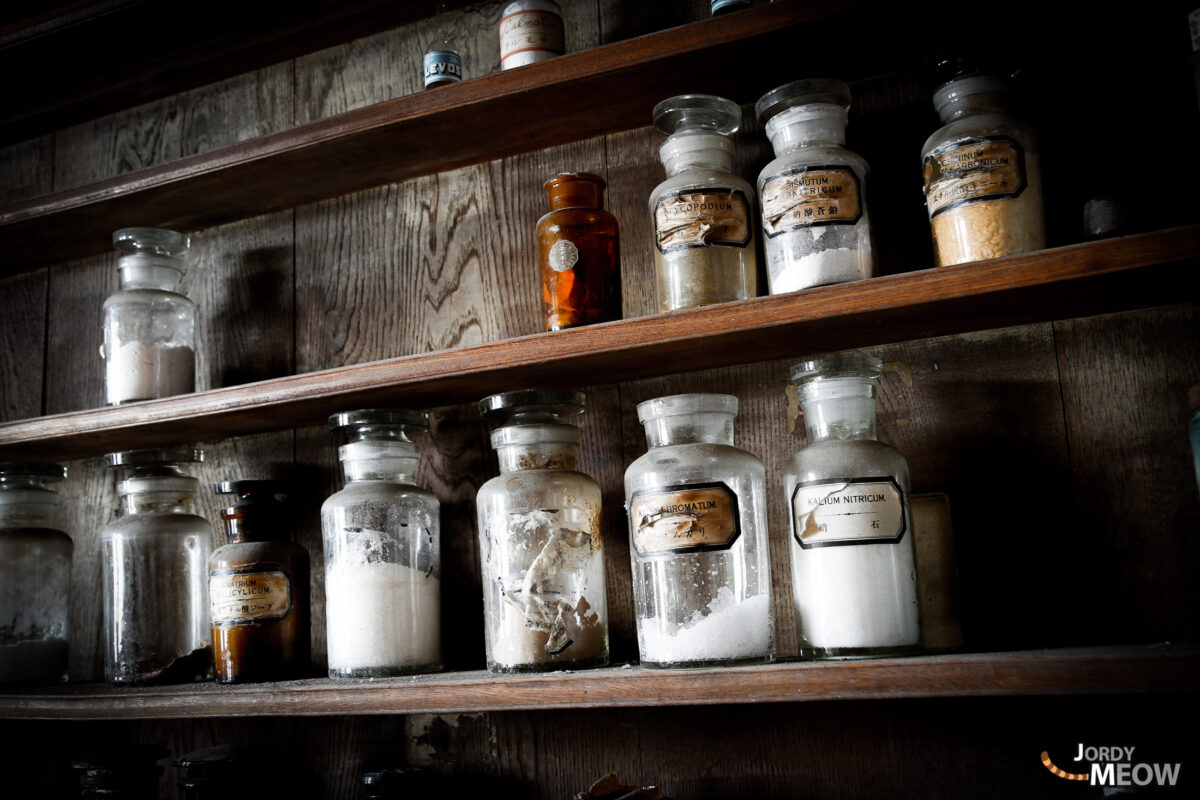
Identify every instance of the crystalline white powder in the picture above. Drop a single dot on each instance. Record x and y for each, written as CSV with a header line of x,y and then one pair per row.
x,y
381,615
135,371
824,267
731,630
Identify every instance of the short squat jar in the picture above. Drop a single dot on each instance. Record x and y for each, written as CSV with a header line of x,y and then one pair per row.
x,y
155,572
816,228
983,187
853,573
149,327
698,538
382,540
705,250
35,576
544,600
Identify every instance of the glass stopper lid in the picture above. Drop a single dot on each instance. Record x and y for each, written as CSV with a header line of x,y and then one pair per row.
x,y
843,366
152,457
151,241
25,469
802,93
697,112
533,406
378,424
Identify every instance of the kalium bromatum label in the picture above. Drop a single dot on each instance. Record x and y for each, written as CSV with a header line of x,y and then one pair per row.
x,y
684,518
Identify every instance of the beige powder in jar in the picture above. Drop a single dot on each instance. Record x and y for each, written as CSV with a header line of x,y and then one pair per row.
x,y
1004,226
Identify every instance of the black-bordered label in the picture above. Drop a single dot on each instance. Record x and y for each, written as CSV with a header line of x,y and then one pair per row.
x,y
683,518
707,217
847,511
803,197
986,168
260,593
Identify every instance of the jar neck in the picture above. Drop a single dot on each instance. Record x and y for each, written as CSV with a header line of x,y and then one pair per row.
x,y
575,194
541,455
974,95
683,152
27,508
142,271
807,126
837,409
698,428
171,502
380,460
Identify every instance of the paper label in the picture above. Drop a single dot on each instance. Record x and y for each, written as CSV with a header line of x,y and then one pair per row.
x,y
683,518
563,255
531,30
853,511
241,597
978,169
701,218
807,196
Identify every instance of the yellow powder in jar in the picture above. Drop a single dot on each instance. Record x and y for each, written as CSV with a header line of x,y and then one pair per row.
x,y
1004,226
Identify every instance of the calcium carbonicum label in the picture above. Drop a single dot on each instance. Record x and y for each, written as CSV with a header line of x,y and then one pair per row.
x,y
665,520
850,511
986,168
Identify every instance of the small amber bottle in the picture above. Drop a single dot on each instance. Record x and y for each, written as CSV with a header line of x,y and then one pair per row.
x,y
579,253
258,590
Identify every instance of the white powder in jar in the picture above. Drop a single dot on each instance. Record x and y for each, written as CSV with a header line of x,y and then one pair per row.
x,y
730,631
135,371
381,616
824,267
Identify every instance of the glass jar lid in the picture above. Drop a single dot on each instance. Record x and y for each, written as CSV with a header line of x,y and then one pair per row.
x,y
154,457
677,404
378,424
842,366
812,91
533,406
697,112
151,241
25,471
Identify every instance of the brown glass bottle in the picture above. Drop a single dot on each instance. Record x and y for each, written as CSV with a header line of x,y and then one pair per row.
x,y
579,253
258,590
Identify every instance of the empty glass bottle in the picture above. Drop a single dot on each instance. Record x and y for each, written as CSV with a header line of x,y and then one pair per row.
x,y
539,537
530,31
382,551
258,589
155,575
698,538
705,250
814,211
149,328
853,573
35,575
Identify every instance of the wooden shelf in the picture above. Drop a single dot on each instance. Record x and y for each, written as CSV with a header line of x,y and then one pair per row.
x,y
1048,672
1130,272
597,91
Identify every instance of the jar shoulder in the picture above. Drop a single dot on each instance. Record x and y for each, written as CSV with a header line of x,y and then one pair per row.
x,y
700,179
156,524
358,492
974,126
848,459
540,480
691,462
577,218
247,553
818,155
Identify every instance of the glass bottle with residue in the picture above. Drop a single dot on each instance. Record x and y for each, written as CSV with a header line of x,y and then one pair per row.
x,y
853,571
258,585
539,536
698,538
705,249
382,550
155,574
149,327
35,575
816,229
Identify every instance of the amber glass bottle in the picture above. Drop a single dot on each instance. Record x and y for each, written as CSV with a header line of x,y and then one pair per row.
x,y
258,590
579,253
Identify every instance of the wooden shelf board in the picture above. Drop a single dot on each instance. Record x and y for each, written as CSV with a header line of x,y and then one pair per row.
x,y
1122,670
596,91
1130,272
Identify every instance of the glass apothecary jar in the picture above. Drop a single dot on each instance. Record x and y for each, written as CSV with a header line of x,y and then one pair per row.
x,y
544,598
579,254
698,538
983,186
816,228
853,573
149,327
382,541
531,31
705,250
35,576
155,572
258,589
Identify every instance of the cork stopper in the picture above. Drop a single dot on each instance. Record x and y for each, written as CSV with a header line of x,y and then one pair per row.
x,y
575,190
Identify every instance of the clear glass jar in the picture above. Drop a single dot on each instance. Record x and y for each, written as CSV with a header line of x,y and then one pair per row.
x,y
155,573
149,328
258,588
544,598
705,250
698,538
530,31
816,227
983,186
382,551
853,573
35,576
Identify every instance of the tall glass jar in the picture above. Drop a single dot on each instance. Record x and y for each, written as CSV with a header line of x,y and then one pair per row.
x,y
698,538
530,31
155,572
853,573
149,327
579,254
814,207
983,186
544,599
705,250
35,575
382,551
258,587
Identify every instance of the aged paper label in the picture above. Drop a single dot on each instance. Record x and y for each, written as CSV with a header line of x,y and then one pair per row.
x,y
807,196
853,511
702,218
243,597
684,518
531,30
978,169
